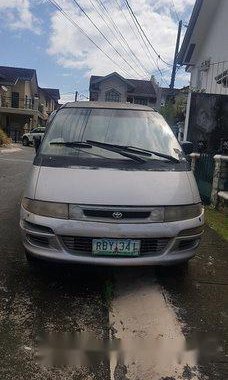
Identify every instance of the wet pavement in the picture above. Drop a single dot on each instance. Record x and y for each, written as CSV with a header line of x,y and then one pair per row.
x,y
80,300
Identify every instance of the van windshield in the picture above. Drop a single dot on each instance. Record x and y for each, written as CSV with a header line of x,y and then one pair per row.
x,y
142,129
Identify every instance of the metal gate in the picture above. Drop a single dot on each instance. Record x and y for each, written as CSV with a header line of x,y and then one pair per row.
x,y
204,170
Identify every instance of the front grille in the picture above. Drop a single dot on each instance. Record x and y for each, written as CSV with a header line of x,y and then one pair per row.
x,y
37,227
108,214
187,244
153,245
39,240
84,244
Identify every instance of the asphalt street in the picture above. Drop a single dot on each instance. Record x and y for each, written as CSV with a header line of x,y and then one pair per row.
x,y
172,325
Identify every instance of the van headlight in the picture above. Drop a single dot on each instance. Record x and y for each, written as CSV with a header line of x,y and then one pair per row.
x,y
49,209
175,213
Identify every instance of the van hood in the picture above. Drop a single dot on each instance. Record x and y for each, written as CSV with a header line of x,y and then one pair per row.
x,y
112,187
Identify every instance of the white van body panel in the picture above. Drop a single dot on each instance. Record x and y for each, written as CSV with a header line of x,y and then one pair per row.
x,y
194,188
112,187
31,184
116,204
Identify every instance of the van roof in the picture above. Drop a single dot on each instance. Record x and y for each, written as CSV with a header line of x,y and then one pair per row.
x,y
108,105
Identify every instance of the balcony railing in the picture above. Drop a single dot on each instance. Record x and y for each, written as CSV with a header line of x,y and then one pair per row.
x,y
20,103
211,78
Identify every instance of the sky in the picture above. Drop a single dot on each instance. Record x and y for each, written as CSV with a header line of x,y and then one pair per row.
x,y
35,34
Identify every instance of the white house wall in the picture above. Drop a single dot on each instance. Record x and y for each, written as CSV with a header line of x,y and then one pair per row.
x,y
214,47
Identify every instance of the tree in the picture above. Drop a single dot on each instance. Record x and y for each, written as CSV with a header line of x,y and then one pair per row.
x,y
174,110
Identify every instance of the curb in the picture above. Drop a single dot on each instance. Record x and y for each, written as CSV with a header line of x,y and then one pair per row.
x,y
9,150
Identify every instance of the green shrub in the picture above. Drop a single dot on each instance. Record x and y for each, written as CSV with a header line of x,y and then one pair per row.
x,y
4,139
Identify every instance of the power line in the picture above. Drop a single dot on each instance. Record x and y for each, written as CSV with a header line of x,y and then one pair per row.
x,y
60,9
120,33
146,46
83,96
144,34
103,35
118,30
132,29
118,39
138,30
162,76
175,11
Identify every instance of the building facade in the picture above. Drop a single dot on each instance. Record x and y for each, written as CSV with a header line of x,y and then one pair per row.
x,y
48,100
115,88
23,105
204,52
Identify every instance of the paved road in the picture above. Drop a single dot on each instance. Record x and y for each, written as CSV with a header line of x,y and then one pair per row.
x,y
155,312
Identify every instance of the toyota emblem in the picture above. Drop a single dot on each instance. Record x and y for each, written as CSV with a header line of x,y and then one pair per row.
x,y
117,215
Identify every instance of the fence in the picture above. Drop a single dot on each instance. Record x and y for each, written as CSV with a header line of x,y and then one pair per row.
x,y
204,170
211,173
207,122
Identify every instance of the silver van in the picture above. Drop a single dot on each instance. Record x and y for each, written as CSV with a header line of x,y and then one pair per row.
x,y
111,185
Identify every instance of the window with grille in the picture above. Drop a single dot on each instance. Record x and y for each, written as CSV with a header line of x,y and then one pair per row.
x,y
222,78
143,101
112,96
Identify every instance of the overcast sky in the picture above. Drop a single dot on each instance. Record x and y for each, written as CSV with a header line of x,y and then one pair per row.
x,y
35,34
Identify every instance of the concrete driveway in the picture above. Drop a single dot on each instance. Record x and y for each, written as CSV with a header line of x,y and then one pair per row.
x,y
168,325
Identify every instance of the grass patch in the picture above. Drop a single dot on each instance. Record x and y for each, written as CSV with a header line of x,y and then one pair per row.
x,y
218,221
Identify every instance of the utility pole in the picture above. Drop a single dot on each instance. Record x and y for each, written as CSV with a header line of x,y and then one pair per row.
x,y
173,77
76,96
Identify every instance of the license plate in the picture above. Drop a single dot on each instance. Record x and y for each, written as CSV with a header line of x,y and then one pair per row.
x,y
116,247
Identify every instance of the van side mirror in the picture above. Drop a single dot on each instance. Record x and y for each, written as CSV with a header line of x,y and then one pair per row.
x,y
187,147
37,142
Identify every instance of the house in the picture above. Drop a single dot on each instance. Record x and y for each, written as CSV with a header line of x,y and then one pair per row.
x,y
23,104
48,100
204,52
115,88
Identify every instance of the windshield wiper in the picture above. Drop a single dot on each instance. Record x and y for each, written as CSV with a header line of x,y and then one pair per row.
x,y
87,144
134,150
159,154
117,149
124,150
72,144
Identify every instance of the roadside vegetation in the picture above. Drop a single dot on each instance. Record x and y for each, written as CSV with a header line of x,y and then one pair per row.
x,y
4,139
218,221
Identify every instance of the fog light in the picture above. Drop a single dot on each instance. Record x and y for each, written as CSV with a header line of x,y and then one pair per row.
x,y
192,231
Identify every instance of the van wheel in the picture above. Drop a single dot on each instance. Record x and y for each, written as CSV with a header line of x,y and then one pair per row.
x,y
25,141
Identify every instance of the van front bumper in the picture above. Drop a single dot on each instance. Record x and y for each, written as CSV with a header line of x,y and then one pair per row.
x,y
44,238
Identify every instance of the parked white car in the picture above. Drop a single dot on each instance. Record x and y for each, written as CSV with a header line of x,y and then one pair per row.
x,y
28,138
111,185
